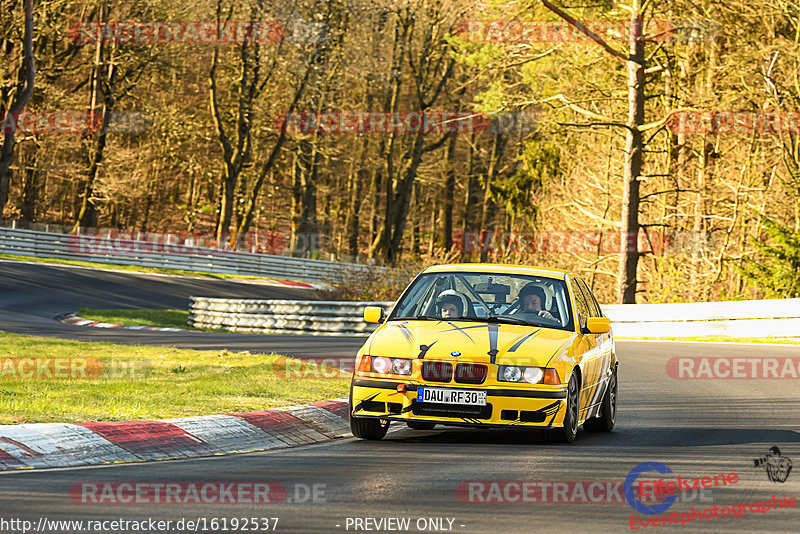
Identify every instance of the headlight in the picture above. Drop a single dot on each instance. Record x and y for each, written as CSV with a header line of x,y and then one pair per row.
x,y
509,373
513,373
401,366
533,375
381,364
396,366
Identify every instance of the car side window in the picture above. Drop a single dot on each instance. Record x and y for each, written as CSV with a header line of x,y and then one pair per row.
x,y
596,303
594,307
580,302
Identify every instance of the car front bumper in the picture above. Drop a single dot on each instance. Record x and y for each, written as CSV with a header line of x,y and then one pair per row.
x,y
538,408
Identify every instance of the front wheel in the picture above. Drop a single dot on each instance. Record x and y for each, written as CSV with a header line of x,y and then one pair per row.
x,y
364,428
608,409
567,433
372,429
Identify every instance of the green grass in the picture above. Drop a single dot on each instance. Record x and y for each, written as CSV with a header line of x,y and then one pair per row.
x,y
138,382
164,318
130,268
722,339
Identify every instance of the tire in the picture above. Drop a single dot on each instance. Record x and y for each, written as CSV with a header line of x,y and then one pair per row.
x,y
364,428
372,429
567,433
608,409
420,425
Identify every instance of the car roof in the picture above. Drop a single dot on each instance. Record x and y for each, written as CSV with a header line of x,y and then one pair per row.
x,y
499,269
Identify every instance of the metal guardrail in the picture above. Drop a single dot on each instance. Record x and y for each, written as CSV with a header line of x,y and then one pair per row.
x,y
751,318
314,317
142,254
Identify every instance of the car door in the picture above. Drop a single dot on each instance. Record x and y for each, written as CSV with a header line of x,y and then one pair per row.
x,y
588,353
592,361
600,351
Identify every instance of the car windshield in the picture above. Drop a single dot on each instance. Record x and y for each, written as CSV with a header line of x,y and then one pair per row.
x,y
490,297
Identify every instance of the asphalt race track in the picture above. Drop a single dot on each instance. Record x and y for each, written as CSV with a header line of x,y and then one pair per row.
x,y
32,295
696,427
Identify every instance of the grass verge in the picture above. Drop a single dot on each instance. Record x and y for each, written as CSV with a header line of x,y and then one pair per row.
x,y
163,318
74,381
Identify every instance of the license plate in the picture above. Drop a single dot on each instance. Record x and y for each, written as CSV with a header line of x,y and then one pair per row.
x,y
467,397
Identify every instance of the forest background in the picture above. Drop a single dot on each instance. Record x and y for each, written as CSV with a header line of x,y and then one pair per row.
x,y
555,130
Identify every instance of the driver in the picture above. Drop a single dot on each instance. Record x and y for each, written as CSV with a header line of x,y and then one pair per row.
x,y
532,299
451,304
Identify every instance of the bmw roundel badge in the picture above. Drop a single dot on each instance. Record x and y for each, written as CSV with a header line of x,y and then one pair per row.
x,y
455,353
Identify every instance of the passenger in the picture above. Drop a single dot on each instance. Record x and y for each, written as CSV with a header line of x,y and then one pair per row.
x,y
532,299
451,304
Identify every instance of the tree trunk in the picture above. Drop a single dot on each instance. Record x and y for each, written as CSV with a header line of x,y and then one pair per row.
x,y
226,198
447,205
432,236
269,165
398,212
489,207
297,201
87,211
354,207
699,220
468,221
629,254
416,215
236,147
30,187
305,236
29,66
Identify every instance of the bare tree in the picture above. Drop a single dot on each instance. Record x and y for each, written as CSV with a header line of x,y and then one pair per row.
x,y
24,89
431,66
634,146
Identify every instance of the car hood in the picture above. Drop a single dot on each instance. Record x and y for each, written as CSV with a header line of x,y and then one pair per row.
x,y
468,341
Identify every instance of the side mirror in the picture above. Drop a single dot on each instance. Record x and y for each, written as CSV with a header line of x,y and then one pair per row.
x,y
598,325
373,314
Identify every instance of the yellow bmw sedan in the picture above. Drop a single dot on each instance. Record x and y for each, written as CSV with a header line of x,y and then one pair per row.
x,y
488,346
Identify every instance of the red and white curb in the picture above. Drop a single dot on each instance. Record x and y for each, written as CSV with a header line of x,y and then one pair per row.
x,y
74,320
43,445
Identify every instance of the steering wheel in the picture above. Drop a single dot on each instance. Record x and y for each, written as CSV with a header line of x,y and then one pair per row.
x,y
534,317
494,307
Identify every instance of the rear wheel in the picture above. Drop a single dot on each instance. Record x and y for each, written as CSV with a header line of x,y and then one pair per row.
x,y
420,425
608,409
567,433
